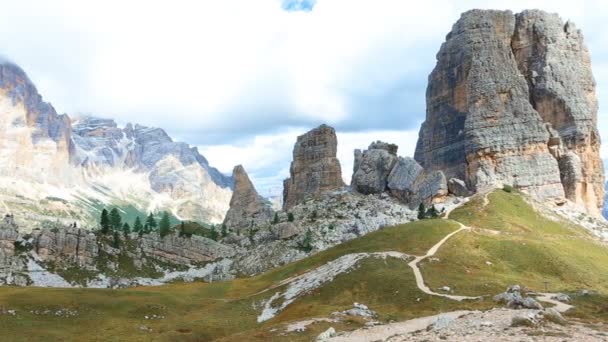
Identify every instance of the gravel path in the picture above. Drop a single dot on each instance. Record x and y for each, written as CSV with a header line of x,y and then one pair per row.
x,y
381,332
420,280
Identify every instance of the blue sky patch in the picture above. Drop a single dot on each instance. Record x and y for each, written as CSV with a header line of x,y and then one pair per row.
x,y
299,5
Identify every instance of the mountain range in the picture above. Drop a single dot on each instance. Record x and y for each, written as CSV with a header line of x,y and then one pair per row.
x,y
57,167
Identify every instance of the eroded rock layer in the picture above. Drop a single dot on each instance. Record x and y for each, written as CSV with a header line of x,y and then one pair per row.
x,y
512,101
315,168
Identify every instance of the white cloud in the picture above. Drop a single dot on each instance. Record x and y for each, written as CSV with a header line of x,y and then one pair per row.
x,y
218,73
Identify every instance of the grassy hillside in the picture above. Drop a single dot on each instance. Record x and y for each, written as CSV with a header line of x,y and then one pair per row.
x,y
527,249
511,243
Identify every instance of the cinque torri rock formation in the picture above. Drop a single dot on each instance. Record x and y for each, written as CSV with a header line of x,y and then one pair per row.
x,y
512,101
53,167
247,207
314,168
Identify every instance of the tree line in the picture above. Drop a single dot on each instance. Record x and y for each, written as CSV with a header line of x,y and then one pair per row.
x,y
112,223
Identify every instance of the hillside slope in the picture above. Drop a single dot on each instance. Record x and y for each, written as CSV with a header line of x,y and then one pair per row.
x,y
536,249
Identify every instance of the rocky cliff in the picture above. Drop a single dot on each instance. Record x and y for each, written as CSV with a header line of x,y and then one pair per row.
x,y
512,101
35,141
315,168
247,208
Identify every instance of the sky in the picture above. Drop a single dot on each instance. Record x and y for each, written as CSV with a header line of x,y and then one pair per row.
x,y
242,79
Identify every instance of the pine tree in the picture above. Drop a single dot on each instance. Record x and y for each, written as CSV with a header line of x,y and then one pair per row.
x,y
214,234
433,212
146,229
165,225
275,220
137,227
224,230
306,243
151,223
182,229
116,242
104,222
290,217
115,219
126,229
421,211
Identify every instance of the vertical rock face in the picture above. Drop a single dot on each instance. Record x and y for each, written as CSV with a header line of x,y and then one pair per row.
x,y
247,207
35,141
512,100
314,168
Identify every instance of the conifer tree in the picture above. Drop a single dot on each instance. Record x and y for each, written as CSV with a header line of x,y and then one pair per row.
x,y
126,229
116,242
421,212
165,225
151,223
275,220
104,222
115,220
224,230
137,227
214,234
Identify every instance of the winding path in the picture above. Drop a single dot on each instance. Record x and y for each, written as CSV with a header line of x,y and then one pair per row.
x,y
420,280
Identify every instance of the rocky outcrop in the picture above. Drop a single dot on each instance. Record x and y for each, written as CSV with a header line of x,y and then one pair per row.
x,y
314,169
247,208
378,169
512,101
67,245
177,250
372,168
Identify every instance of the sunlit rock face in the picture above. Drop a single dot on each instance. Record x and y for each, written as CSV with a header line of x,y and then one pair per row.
x,y
35,141
61,168
512,101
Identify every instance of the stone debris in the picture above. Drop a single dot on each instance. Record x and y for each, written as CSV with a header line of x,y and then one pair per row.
x,y
316,278
326,335
501,324
514,299
62,312
358,309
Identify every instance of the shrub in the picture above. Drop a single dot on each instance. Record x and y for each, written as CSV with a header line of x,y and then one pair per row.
x,y
290,217
507,188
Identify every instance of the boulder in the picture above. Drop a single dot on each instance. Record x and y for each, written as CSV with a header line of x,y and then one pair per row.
x,y
552,315
458,187
326,335
314,169
285,230
525,320
402,178
373,168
